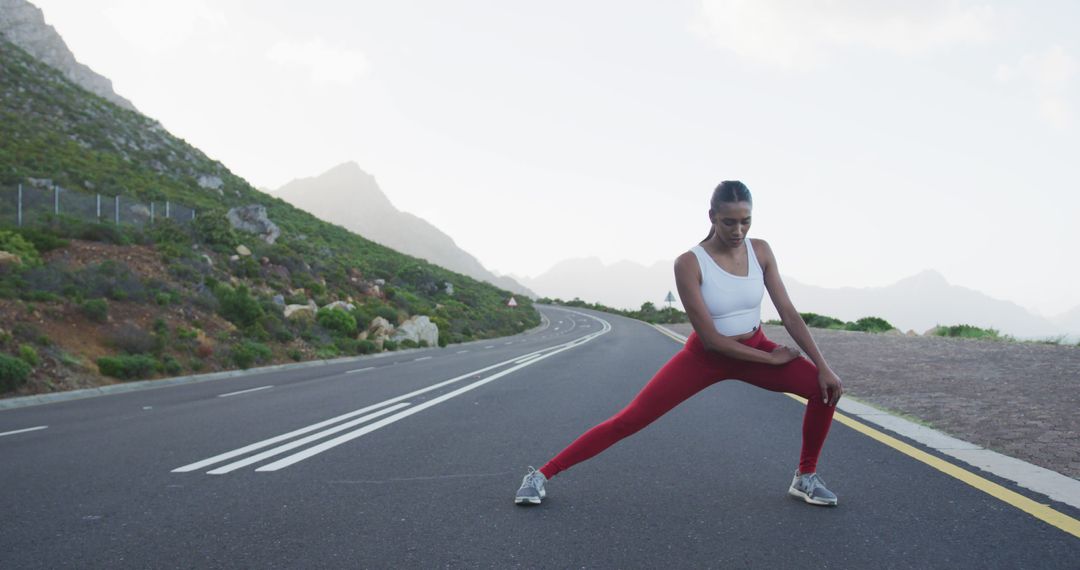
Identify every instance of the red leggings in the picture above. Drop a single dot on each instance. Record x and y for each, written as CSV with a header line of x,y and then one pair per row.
x,y
692,370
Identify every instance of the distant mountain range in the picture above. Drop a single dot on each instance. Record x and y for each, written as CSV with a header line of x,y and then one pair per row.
x,y
916,303
349,197
23,24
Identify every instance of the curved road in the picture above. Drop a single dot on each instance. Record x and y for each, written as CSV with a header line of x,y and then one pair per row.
x,y
411,459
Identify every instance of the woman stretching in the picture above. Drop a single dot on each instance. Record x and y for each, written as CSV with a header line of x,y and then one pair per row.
x,y
721,282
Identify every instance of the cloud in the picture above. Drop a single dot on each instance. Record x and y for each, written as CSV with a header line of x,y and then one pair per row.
x,y
1049,74
801,35
325,63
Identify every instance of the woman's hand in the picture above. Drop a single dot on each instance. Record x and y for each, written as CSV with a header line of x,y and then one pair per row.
x,y
831,386
783,354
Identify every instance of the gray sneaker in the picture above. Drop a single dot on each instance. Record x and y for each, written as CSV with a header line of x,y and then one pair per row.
x,y
532,488
810,488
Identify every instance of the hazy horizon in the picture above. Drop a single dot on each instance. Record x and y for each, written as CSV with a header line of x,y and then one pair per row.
x,y
879,140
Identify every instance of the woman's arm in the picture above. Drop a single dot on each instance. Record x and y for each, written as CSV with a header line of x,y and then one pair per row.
x,y
831,387
688,282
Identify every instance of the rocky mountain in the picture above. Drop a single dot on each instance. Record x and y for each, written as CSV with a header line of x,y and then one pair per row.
x,y
348,196
918,303
23,24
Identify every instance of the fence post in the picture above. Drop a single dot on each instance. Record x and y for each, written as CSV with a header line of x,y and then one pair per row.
x,y
99,207
193,215
166,209
151,212
56,200
117,209
20,205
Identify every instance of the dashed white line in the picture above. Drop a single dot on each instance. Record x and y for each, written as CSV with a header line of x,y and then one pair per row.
x,y
22,430
462,351
360,370
490,346
244,391
421,358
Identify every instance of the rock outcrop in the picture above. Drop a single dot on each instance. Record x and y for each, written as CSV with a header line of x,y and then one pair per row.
x,y
23,24
252,219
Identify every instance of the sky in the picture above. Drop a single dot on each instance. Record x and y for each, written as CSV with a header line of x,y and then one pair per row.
x,y
879,139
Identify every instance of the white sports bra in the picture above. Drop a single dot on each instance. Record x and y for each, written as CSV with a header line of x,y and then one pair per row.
x,y
733,301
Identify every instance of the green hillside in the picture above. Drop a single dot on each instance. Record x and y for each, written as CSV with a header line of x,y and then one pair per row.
x,y
54,130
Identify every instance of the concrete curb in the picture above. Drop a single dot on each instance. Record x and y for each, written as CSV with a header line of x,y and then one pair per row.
x,y
38,399
1039,479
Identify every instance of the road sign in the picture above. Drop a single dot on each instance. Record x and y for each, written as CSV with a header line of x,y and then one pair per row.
x,y
512,302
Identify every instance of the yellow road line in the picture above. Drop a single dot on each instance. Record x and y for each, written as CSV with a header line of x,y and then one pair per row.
x,y
1033,508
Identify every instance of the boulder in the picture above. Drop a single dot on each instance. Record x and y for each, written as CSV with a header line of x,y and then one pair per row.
x,y
299,312
340,305
416,329
7,258
243,250
279,300
380,328
252,219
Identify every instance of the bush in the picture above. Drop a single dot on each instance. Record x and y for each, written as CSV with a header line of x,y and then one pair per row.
x,y
365,347
14,243
821,321
967,331
128,366
43,241
171,365
249,352
132,340
389,345
408,343
296,355
96,310
327,352
870,324
13,372
337,320
237,305
29,355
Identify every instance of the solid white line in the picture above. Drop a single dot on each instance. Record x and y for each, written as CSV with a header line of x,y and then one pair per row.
x,y
421,358
22,430
526,358
273,440
302,441
244,391
360,370
311,451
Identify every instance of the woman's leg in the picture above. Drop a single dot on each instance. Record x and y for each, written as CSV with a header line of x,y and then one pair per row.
x,y
686,374
800,377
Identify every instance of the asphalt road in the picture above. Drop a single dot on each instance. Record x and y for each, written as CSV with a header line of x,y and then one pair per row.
x,y
382,463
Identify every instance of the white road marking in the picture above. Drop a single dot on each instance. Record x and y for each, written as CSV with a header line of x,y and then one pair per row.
x,y
421,358
289,460
244,391
302,441
273,440
462,351
360,370
490,346
510,342
22,430
311,451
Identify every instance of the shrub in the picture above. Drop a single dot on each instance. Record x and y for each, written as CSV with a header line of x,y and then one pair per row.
x,y
29,355
870,324
296,355
967,331
408,343
337,320
128,366
171,365
14,243
365,347
96,310
132,340
43,241
327,352
13,372
237,305
249,352
389,345
820,321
